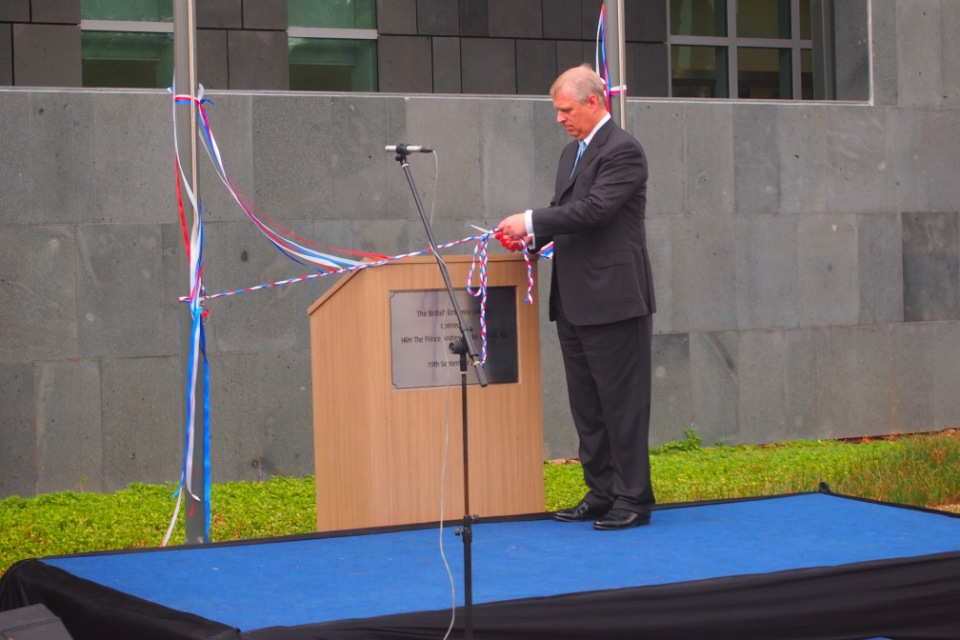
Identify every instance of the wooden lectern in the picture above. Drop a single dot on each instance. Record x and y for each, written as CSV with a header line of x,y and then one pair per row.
x,y
387,410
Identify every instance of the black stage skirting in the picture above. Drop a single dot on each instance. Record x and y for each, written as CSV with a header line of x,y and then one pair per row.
x,y
806,566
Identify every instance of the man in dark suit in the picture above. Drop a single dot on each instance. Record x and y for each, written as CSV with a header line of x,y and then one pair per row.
x,y
601,297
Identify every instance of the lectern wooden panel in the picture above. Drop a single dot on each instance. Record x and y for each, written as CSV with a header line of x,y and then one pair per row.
x,y
381,448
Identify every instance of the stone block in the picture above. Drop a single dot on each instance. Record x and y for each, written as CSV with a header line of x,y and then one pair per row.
x,y
459,188
397,17
827,270
335,167
767,265
17,11
943,341
931,267
708,150
645,21
438,18
474,18
560,435
515,18
489,66
923,145
236,444
672,408
506,130
950,53
55,11
647,70
590,12
703,273
834,159
880,268
212,70
885,63
854,381
562,19
404,64
912,387
659,128
265,14
756,158
16,176
258,60
852,50
714,367
142,403
124,189
446,73
47,55
536,66
38,294
119,292
569,54
68,426
286,425
761,375
660,250
918,53
805,415
237,256
6,55
18,462
222,14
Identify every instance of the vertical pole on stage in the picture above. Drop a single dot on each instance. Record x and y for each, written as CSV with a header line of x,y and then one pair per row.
x,y
185,83
615,41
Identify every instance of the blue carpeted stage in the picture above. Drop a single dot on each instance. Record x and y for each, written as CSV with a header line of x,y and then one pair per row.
x,y
814,566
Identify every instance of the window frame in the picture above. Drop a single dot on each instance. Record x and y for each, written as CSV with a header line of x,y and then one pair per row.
x,y
732,43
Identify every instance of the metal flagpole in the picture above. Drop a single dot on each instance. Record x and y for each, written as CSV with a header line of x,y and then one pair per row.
x,y
615,41
185,83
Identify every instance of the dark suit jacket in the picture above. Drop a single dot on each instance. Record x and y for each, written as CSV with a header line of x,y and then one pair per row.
x,y
601,269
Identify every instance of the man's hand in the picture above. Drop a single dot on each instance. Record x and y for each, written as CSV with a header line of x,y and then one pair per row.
x,y
510,244
513,227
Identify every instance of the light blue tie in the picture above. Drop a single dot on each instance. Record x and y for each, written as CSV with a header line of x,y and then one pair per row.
x,y
581,145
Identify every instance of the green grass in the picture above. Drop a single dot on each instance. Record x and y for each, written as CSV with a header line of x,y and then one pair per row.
x,y
916,470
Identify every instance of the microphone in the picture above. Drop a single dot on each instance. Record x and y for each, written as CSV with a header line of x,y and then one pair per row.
x,y
407,148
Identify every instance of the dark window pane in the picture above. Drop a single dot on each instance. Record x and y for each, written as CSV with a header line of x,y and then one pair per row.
x,y
763,18
130,10
806,74
318,64
120,59
699,72
332,14
805,30
698,17
764,74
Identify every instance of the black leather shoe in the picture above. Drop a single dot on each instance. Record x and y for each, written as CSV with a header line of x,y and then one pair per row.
x,y
580,513
621,519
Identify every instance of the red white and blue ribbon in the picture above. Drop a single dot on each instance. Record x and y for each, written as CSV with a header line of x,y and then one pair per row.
x,y
601,61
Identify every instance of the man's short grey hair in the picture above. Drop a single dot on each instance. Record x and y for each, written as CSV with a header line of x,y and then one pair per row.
x,y
580,82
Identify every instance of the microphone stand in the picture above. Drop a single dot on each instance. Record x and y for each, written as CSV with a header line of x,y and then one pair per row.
x,y
464,346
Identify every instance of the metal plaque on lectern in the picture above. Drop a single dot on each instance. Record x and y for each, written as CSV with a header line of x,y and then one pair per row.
x,y
423,323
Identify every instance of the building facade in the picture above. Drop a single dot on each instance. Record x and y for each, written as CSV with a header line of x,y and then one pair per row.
x,y
806,252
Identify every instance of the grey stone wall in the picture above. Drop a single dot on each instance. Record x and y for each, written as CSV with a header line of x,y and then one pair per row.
x,y
805,256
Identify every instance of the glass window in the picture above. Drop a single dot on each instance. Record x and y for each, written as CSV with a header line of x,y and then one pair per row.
x,y
698,17
338,14
763,18
764,74
699,72
127,10
332,45
322,64
123,59
755,49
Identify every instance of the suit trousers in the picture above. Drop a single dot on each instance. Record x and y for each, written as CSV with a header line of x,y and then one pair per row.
x,y
609,388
